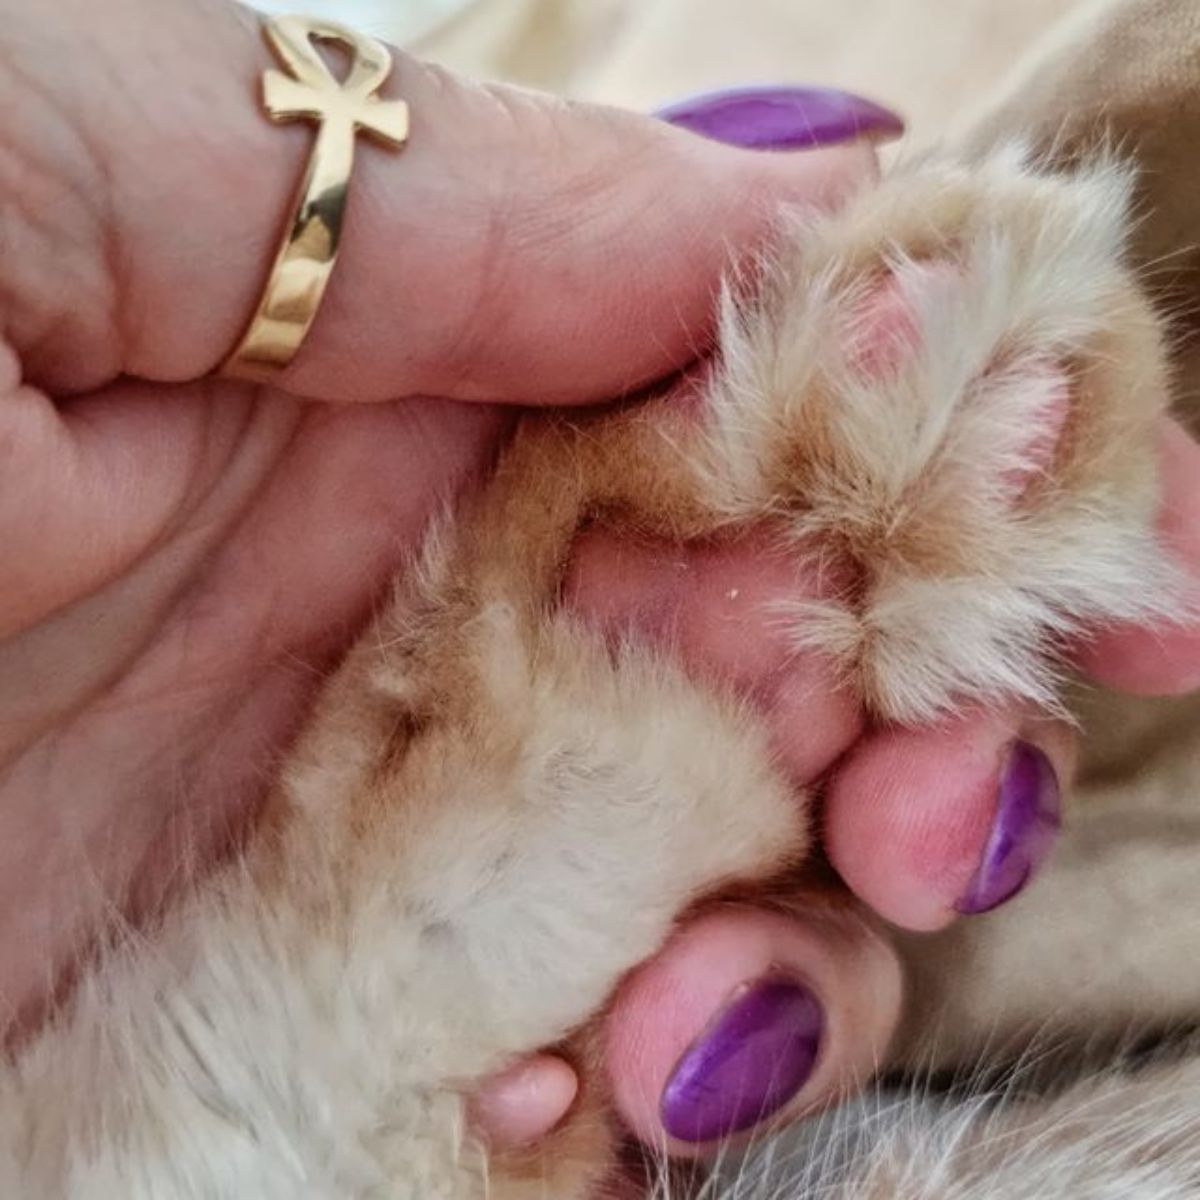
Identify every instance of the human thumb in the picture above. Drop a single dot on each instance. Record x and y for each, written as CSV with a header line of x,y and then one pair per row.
x,y
519,247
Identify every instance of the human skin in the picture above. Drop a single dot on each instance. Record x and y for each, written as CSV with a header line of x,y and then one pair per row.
x,y
185,555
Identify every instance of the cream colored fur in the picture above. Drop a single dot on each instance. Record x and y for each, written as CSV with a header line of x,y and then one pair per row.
x,y
965,587
1112,1135
493,814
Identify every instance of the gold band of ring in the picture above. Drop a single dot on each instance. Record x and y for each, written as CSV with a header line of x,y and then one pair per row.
x,y
341,108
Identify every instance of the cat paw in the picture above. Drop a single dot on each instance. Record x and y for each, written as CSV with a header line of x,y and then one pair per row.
x,y
536,807
953,389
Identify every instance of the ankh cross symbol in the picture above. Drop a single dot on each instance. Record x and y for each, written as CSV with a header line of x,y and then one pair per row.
x,y
342,109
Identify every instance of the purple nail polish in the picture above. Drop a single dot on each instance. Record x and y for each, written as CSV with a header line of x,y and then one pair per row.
x,y
783,118
750,1062
1025,827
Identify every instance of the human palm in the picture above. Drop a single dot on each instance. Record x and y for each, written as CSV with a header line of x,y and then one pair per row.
x,y
187,561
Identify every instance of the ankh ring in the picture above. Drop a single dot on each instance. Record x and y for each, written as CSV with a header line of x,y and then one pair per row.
x,y
309,91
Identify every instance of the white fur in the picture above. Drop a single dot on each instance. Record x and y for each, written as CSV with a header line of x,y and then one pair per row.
x,y
1115,1135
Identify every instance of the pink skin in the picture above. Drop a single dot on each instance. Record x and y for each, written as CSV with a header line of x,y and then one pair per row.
x,y
711,605
662,1008
909,810
520,1104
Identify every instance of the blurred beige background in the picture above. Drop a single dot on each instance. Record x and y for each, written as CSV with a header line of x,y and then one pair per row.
x,y
926,58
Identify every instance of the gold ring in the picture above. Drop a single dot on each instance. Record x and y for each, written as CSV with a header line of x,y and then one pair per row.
x,y
341,109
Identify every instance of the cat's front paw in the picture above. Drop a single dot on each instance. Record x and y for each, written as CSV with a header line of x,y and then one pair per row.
x,y
953,388
493,818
